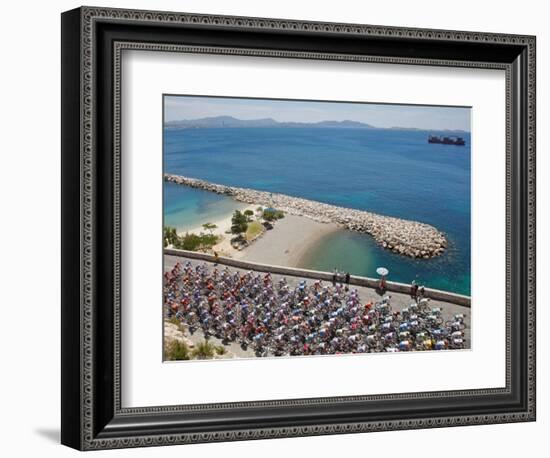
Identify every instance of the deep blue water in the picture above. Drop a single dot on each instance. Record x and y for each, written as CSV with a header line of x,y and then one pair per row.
x,y
391,172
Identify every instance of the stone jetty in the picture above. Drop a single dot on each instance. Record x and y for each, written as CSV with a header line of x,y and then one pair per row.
x,y
405,237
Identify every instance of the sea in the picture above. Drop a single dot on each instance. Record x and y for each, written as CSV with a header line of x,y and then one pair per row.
x,y
387,171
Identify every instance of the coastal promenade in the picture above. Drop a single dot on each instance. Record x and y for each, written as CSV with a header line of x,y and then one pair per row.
x,y
404,237
293,277
402,290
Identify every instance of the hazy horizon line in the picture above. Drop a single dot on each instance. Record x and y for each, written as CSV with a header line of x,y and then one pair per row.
x,y
382,115
368,125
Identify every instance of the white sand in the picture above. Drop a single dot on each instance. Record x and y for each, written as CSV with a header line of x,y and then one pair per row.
x,y
284,245
223,224
287,242
223,248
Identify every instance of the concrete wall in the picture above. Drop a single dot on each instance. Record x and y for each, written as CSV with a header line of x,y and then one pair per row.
x,y
434,294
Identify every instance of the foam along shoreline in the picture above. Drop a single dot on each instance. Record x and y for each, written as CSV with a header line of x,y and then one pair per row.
x,y
405,237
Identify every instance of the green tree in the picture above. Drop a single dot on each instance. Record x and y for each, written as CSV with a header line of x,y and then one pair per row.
x,y
249,214
209,227
194,242
188,241
239,223
170,236
270,214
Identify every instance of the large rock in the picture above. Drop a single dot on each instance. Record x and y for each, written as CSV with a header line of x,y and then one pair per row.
x,y
409,238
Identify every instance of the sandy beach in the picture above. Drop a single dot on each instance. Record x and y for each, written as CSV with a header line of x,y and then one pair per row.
x,y
224,224
404,237
284,245
224,247
287,242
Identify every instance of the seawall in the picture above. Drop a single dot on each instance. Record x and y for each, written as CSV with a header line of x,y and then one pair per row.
x,y
434,294
405,237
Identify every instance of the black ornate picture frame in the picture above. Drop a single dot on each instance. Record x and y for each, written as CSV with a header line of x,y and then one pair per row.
x,y
92,42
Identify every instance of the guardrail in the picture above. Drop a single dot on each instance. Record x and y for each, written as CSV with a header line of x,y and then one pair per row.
x,y
392,286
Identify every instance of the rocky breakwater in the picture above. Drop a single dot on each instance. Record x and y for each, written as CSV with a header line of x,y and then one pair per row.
x,y
405,237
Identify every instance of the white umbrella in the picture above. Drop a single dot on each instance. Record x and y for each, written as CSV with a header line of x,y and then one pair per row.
x,y
382,271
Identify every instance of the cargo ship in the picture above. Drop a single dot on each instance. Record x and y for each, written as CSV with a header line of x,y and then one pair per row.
x,y
459,141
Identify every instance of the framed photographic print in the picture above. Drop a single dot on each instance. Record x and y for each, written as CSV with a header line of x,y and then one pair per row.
x,y
278,228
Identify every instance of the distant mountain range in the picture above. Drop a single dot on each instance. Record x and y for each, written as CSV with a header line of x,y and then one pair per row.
x,y
231,122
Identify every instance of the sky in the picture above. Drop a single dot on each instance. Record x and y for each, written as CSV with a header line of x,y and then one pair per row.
x,y
379,115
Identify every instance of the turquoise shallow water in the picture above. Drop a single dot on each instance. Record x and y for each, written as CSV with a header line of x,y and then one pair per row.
x,y
186,208
359,253
391,172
